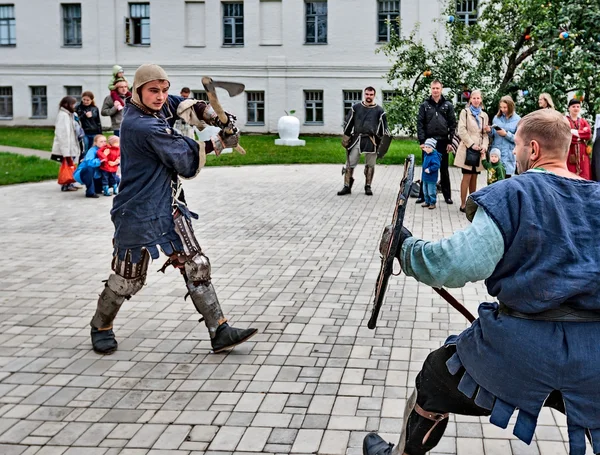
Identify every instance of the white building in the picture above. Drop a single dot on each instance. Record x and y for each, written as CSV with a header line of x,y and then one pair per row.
x,y
313,57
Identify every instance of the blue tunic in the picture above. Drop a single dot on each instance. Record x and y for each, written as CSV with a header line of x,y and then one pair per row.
x,y
548,225
153,155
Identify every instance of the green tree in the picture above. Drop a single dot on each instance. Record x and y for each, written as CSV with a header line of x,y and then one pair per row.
x,y
517,47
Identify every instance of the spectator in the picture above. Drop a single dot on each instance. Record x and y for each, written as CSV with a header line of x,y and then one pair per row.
x,y
66,144
118,76
431,166
545,101
437,120
578,160
503,132
114,109
88,171
495,168
89,116
110,158
185,92
473,131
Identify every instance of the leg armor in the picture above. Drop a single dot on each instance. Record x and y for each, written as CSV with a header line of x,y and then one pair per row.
x,y
127,280
348,180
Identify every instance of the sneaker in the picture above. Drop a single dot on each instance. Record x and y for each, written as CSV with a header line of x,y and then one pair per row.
x,y
105,190
425,204
103,341
431,207
227,337
115,189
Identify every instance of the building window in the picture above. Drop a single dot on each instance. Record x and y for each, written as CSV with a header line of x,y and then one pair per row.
x,y
233,24
39,102
74,91
316,22
7,25
388,96
6,102
388,19
256,108
137,25
351,97
466,11
200,95
313,106
71,24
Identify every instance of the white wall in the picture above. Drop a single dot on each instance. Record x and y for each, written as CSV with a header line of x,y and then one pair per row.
x,y
347,62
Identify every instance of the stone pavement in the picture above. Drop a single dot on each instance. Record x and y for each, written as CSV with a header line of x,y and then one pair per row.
x,y
289,257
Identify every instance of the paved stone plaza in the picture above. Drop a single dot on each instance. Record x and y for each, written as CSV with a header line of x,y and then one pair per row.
x,y
289,257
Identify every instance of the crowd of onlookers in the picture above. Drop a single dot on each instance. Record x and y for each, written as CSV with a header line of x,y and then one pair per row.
x,y
480,144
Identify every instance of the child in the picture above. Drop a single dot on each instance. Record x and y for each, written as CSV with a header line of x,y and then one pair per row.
x,y
117,76
110,158
495,168
431,166
88,171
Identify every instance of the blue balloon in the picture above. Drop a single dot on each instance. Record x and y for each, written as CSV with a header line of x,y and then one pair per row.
x,y
525,92
451,19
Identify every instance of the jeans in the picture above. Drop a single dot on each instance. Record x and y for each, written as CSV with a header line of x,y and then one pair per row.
x,y
109,178
444,172
429,191
92,185
88,142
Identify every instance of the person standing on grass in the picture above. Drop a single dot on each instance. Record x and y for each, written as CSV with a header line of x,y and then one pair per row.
x,y
65,147
89,117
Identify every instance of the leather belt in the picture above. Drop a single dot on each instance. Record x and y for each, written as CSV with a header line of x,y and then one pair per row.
x,y
564,313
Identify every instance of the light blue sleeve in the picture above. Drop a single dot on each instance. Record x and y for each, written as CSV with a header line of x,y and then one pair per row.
x,y
468,255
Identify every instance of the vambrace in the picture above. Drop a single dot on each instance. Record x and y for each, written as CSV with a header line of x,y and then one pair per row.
x,y
207,304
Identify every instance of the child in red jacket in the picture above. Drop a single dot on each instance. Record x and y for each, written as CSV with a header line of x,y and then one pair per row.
x,y
110,158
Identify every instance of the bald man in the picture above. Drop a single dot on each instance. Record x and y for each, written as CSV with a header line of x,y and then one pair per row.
x,y
533,239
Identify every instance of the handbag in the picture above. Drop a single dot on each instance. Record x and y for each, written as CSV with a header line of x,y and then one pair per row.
x,y
65,174
473,157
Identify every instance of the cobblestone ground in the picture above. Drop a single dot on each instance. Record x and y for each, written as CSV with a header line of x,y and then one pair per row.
x,y
289,257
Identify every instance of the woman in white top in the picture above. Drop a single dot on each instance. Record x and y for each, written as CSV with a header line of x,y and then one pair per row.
x,y
66,144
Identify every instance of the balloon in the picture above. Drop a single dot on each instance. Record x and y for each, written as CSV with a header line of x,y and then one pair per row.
x,y
564,35
527,37
525,92
427,73
450,19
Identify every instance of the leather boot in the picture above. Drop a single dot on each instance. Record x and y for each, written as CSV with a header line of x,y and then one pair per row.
x,y
348,182
227,337
369,172
104,341
373,444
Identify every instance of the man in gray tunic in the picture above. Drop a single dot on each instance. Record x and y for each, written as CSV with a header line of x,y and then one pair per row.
x,y
365,127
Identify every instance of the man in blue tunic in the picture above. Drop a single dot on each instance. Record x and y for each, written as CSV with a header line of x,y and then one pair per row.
x,y
150,211
533,239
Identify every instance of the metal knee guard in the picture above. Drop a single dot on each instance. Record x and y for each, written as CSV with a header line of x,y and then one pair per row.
x,y
116,290
369,172
207,304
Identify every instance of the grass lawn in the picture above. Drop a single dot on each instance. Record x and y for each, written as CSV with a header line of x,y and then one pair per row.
x,y
21,169
261,148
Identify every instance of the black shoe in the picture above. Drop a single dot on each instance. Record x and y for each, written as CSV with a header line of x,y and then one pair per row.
x,y
373,444
462,209
419,201
95,196
368,191
449,201
344,191
104,341
227,337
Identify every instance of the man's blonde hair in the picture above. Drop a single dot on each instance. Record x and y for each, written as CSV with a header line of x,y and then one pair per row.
x,y
548,128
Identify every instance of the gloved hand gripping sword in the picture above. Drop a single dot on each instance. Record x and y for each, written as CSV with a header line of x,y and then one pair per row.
x,y
226,120
391,242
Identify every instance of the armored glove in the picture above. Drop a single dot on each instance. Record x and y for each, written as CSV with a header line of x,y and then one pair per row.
x,y
223,140
386,238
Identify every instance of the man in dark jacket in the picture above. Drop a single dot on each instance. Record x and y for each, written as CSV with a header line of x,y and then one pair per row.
x,y
437,120
150,212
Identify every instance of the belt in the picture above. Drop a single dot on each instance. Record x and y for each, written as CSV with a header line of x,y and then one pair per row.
x,y
564,313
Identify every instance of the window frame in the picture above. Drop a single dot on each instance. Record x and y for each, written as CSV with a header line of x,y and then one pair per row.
x,y
257,110
316,16
315,107
8,23
348,103
385,16
77,96
6,102
199,95
71,24
40,100
236,22
467,11
137,24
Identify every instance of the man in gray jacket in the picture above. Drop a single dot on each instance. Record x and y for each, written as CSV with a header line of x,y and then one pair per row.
x,y
114,109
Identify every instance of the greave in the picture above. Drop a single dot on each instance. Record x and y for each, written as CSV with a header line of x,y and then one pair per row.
x,y
109,304
369,172
348,180
207,304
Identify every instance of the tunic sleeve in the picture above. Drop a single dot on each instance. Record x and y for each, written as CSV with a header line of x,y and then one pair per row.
x,y
176,152
468,255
